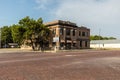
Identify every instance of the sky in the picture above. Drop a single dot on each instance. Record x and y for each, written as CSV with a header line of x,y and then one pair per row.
x,y
101,16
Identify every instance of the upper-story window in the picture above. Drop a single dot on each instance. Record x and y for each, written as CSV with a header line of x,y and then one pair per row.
x,y
61,31
87,34
73,32
83,34
54,31
79,33
67,31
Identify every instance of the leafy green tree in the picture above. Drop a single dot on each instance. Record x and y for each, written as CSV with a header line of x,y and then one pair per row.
x,y
105,38
111,38
91,37
36,32
6,36
97,37
18,33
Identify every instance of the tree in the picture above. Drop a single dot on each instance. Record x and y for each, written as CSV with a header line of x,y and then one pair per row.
x,y
97,37
6,36
105,38
36,32
111,38
18,34
91,37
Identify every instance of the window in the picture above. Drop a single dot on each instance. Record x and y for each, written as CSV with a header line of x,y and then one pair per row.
x,y
74,44
79,33
80,43
61,44
67,31
61,31
83,33
74,32
54,31
85,43
87,34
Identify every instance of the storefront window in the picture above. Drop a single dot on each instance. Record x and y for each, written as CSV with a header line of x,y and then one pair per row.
x,y
80,43
86,44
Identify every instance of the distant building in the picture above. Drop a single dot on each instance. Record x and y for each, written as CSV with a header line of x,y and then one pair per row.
x,y
105,44
67,35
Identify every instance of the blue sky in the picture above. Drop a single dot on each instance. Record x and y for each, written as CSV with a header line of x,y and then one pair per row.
x,y
97,15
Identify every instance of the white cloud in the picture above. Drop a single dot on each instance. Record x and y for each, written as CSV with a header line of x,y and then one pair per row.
x,y
42,4
90,11
95,14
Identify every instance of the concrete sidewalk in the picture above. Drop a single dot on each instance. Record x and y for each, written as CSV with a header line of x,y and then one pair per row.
x,y
17,50
11,50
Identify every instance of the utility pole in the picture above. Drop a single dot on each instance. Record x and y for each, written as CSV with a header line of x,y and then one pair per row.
x,y
99,37
0,37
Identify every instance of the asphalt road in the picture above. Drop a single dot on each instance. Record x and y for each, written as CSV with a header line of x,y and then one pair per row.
x,y
69,65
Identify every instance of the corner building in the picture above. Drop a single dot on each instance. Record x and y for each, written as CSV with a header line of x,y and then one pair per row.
x,y
67,35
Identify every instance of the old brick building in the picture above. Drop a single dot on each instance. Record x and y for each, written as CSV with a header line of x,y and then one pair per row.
x,y
67,35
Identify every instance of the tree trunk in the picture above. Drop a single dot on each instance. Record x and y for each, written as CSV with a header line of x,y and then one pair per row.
x,y
36,46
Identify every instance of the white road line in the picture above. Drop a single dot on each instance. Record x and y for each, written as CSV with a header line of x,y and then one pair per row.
x,y
70,55
68,64
12,61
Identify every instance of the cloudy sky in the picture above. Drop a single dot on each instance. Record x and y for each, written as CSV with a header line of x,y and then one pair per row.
x,y
99,15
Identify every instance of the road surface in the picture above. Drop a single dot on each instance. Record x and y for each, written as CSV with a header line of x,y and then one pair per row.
x,y
69,65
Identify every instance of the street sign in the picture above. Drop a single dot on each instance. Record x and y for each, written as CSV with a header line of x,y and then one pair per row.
x,y
55,39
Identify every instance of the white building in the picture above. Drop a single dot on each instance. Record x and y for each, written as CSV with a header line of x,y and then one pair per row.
x,y
105,44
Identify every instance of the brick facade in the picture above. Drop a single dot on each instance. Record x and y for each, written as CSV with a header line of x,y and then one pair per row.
x,y
70,35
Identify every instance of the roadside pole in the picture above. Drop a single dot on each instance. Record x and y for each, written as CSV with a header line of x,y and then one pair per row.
x,y
56,40
99,37
0,37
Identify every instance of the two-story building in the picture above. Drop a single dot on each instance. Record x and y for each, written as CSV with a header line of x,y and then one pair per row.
x,y
67,35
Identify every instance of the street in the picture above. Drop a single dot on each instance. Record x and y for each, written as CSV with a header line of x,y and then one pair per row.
x,y
66,65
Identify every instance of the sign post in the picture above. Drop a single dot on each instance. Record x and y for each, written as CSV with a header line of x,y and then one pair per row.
x,y
56,39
